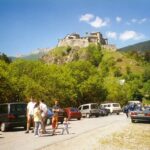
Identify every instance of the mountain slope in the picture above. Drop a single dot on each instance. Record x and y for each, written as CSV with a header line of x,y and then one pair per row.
x,y
143,46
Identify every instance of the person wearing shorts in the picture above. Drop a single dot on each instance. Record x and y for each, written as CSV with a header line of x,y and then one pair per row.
x,y
30,113
54,124
56,109
44,111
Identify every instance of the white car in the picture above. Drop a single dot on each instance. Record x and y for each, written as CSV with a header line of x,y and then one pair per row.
x,y
113,107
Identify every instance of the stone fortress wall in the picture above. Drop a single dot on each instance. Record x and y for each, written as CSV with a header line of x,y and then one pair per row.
x,y
74,40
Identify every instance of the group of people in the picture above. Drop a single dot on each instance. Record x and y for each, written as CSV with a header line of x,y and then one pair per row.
x,y
37,116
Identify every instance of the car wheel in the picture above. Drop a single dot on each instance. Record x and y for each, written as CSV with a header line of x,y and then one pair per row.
x,y
3,127
133,121
87,115
78,118
118,113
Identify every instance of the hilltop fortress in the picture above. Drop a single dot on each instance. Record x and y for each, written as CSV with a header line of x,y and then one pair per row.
x,y
74,40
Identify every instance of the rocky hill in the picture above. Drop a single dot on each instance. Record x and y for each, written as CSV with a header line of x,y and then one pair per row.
x,y
62,55
95,54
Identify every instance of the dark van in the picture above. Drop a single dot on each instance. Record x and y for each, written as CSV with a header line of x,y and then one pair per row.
x,y
12,115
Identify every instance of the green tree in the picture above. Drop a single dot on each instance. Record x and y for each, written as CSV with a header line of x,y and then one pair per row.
x,y
116,91
6,89
92,90
146,90
5,58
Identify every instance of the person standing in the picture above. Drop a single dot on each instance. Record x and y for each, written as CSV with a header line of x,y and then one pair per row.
x,y
30,111
37,119
44,111
126,110
54,124
65,126
56,109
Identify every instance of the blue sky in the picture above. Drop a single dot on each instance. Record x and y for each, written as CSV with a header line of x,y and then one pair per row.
x,y
26,25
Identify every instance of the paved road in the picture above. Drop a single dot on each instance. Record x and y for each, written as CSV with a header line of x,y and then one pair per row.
x,y
80,131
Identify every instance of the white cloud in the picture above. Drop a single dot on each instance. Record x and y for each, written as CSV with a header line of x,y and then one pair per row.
x,y
139,21
112,35
86,17
99,22
118,19
94,21
142,20
134,20
130,35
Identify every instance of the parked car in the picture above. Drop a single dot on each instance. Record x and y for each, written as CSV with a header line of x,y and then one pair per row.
x,y
88,110
61,115
73,113
12,115
143,115
113,107
103,111
134,102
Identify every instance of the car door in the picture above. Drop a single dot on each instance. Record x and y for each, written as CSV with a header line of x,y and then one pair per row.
x,y
3,113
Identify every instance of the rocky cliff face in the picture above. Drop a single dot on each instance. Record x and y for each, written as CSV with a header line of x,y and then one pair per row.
x,y
61,55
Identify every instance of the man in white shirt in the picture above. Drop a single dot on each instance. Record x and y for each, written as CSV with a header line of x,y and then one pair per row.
x,y
30,113
44,111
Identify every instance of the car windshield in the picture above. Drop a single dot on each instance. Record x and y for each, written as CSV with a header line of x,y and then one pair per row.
x,y
21,108
74,109
94,106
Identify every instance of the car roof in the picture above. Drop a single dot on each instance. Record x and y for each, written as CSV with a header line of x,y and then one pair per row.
x,y
109,103
89,104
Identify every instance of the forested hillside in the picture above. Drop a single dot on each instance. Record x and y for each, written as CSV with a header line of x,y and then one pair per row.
x,y
143,46
75,76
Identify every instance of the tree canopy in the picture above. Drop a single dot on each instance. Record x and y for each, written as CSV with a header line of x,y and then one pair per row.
x,y
93,77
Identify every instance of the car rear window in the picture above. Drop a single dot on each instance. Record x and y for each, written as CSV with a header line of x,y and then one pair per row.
x,y
94,106
116,105
74,109
3,109
18,108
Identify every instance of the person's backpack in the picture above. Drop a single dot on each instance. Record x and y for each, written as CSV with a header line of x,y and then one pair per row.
x,y
49,113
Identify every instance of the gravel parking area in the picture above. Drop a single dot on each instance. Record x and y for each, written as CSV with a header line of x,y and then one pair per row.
x,y
115,136
113,132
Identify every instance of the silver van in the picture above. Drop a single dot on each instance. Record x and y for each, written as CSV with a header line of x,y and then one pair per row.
x,y
113,107
88,110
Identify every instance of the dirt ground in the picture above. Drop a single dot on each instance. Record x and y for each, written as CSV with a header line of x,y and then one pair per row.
x,y
135,137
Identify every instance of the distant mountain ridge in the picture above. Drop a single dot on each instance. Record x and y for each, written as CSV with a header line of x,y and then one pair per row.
x,y
35,55
142,46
